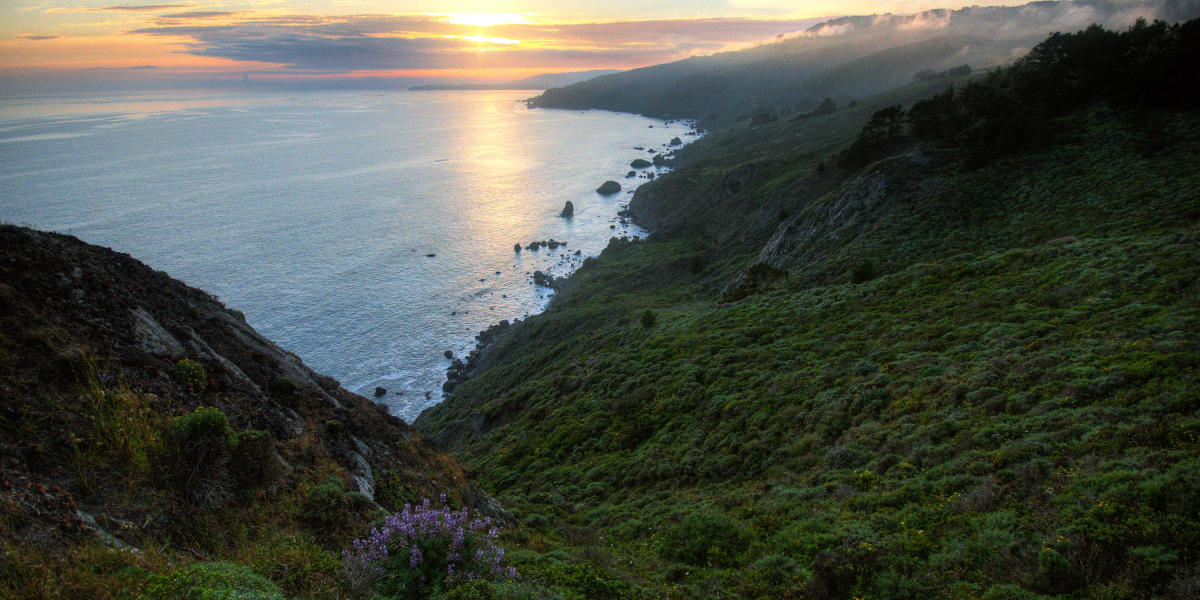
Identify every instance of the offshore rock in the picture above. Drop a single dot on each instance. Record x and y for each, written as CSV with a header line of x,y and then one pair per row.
x,y
608,187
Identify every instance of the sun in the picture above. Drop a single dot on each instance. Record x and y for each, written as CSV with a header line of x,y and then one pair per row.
x,y
486,19
481,39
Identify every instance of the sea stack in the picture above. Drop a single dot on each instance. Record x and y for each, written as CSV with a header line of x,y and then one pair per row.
x,y
568,210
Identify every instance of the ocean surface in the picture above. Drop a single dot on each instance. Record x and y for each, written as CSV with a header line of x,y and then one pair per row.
x,y
367,232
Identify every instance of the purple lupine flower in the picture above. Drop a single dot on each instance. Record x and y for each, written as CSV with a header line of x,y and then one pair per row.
x,y
467,544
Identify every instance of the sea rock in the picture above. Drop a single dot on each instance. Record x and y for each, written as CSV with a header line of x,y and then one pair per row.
x,y
640,163
676,141
448,354
542,279
659,160
516,247
379,391
631,175
568,210
608,187
430,255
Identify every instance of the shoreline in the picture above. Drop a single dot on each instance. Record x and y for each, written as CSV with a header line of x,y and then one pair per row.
x,y
477,359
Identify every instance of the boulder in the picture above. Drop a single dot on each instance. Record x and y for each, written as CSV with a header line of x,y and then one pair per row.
x,y
448,354
631,175
568,210
380,391
608,187
640,163
676,141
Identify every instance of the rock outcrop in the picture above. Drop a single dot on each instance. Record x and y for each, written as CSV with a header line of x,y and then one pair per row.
x,y
81,324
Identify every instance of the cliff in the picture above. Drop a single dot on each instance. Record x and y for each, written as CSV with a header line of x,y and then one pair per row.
x,y
105,364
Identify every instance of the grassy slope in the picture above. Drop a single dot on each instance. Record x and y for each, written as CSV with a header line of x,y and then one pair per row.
x,y
1009,410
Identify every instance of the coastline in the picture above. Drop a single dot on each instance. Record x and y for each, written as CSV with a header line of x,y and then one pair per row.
x,y
479,358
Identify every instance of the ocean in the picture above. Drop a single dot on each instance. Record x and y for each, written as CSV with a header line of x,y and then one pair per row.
x,y
367,232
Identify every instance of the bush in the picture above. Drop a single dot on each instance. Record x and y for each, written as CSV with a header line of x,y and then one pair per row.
x,y
704,539
282,386
202,443
331,508
648,319
301,567
863,271
212,581
422,551
1008,591
191,374
254,461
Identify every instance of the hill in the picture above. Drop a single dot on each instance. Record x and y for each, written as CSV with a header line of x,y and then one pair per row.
x,y
536,82
874,353
844,58
145,428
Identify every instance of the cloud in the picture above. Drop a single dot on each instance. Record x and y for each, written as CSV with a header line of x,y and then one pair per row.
x,y
200,14
36,38
121,8
1028,21
338,44
409,42
142,8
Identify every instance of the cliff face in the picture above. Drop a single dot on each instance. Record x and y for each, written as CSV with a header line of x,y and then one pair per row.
x,y
91,387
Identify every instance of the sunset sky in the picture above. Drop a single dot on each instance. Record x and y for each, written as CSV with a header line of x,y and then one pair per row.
x,y
127,42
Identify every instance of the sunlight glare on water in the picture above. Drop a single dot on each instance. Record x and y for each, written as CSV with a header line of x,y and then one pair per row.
x,y
314,213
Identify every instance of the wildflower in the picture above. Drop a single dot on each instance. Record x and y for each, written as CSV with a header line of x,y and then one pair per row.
x,y
428,537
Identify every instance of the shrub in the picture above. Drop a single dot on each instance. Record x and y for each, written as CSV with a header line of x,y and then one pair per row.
x,y
254,460
191,374
704,539
390,491
1008,591
648,319
202,443
536,521
863,271
301,567
331,508
421,551
212,581
282,386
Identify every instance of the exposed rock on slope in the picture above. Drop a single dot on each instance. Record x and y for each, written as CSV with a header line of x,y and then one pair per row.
x,y
89,336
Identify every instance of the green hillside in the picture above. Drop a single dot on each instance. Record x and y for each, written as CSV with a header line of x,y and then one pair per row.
x,y
855,364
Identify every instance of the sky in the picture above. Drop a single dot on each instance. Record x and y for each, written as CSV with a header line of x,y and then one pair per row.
x,y
138,43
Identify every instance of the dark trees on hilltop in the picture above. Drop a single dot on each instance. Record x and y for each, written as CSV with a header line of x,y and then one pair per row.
x,y
1151,65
